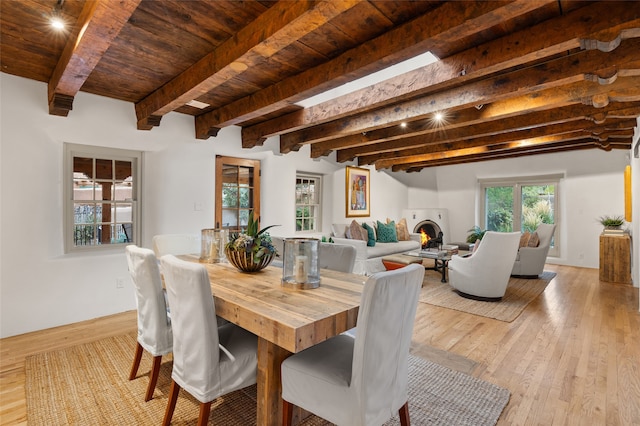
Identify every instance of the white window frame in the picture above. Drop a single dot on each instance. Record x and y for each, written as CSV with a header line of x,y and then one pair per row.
x,y
88,151
517,183
318,206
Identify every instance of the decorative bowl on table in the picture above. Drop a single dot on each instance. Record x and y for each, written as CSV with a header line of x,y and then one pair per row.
x,y
251,250
246,262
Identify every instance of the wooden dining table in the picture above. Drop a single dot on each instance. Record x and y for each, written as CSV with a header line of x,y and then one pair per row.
x,y
285,320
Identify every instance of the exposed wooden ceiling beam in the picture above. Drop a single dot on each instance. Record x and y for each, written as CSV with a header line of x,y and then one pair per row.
x,y
618,129
451,21
98,25
625,89
542,145
494,91
462,123
548,149
281,25
578,29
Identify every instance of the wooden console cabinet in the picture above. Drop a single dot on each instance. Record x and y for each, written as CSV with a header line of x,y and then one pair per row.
x,y
615,258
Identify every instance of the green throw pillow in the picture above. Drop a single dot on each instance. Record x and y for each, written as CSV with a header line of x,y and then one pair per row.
x,y
371,241
387,232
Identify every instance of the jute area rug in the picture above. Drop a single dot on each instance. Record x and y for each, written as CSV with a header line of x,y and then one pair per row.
x,y
520,292
88,385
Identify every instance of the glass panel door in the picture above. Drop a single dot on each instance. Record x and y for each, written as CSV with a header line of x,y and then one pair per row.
x,y
237,192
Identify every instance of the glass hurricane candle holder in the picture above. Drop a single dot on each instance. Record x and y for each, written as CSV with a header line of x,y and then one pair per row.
x,y
212,245
300,263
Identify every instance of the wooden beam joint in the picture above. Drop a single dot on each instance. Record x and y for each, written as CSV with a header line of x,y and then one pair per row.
x,y
150,122
60,104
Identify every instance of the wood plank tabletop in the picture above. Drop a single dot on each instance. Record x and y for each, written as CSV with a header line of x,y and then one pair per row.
x,y
289,318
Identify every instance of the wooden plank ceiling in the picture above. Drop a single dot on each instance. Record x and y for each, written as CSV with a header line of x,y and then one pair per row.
x,y
514,78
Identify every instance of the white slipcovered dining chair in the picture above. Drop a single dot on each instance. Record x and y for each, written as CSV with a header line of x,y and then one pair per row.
x,y
361,381
208,361
530,261
154,325
485,274
175,244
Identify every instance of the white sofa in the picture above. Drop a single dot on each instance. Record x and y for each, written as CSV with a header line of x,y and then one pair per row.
x,y
369,259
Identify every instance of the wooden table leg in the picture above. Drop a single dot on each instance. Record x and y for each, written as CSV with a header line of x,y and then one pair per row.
x,y
269,392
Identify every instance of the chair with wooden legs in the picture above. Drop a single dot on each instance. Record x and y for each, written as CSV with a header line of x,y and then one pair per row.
x,y
360,381
154,324
208,360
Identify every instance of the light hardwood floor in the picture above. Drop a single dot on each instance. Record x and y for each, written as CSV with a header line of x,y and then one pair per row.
x,y
572,357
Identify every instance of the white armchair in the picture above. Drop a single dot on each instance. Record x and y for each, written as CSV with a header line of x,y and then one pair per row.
x,y
530,261
485,274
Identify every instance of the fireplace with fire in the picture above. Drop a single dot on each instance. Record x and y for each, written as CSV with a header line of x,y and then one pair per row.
x,y
432,224
431,235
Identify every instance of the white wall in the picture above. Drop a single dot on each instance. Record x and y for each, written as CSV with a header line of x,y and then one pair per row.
x,y
40,286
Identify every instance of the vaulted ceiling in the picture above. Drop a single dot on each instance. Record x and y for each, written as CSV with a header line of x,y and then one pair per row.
x,y
514,78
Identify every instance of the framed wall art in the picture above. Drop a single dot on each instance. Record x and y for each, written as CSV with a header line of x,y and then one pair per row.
x,y
358,189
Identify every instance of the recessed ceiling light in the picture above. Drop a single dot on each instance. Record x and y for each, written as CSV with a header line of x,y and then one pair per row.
x,y
403,124
438,116
57,23
56,20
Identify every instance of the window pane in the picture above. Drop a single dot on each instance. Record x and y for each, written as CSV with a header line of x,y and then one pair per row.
x,y
122,191
537,206
229,196
245,197
499,208
229,218
122,212
83,190
244,218
84,213
104,169
84,235
124,170
82,167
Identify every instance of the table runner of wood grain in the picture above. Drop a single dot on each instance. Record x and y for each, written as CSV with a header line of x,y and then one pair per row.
x,y
520,292
87,384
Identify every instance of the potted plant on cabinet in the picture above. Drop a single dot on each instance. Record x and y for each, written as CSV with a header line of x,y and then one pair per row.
x,y
611,223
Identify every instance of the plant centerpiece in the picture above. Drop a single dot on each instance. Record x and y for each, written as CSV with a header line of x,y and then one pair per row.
x,y
251,250
611,222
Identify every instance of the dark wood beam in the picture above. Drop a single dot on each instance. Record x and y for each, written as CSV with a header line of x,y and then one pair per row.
x,y
98,25
561,146
451,21
530,147
623,90
280,26
592,65
416,155
548,149
459,124
563,34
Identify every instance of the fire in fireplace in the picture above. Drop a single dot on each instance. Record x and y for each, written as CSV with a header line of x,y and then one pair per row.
x,y
430,234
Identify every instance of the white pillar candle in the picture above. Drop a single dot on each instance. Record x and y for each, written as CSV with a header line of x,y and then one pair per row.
x,y
214,249
300,269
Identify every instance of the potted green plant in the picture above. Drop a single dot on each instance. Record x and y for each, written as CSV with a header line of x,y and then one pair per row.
x,y
611,222
475,234
251,250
